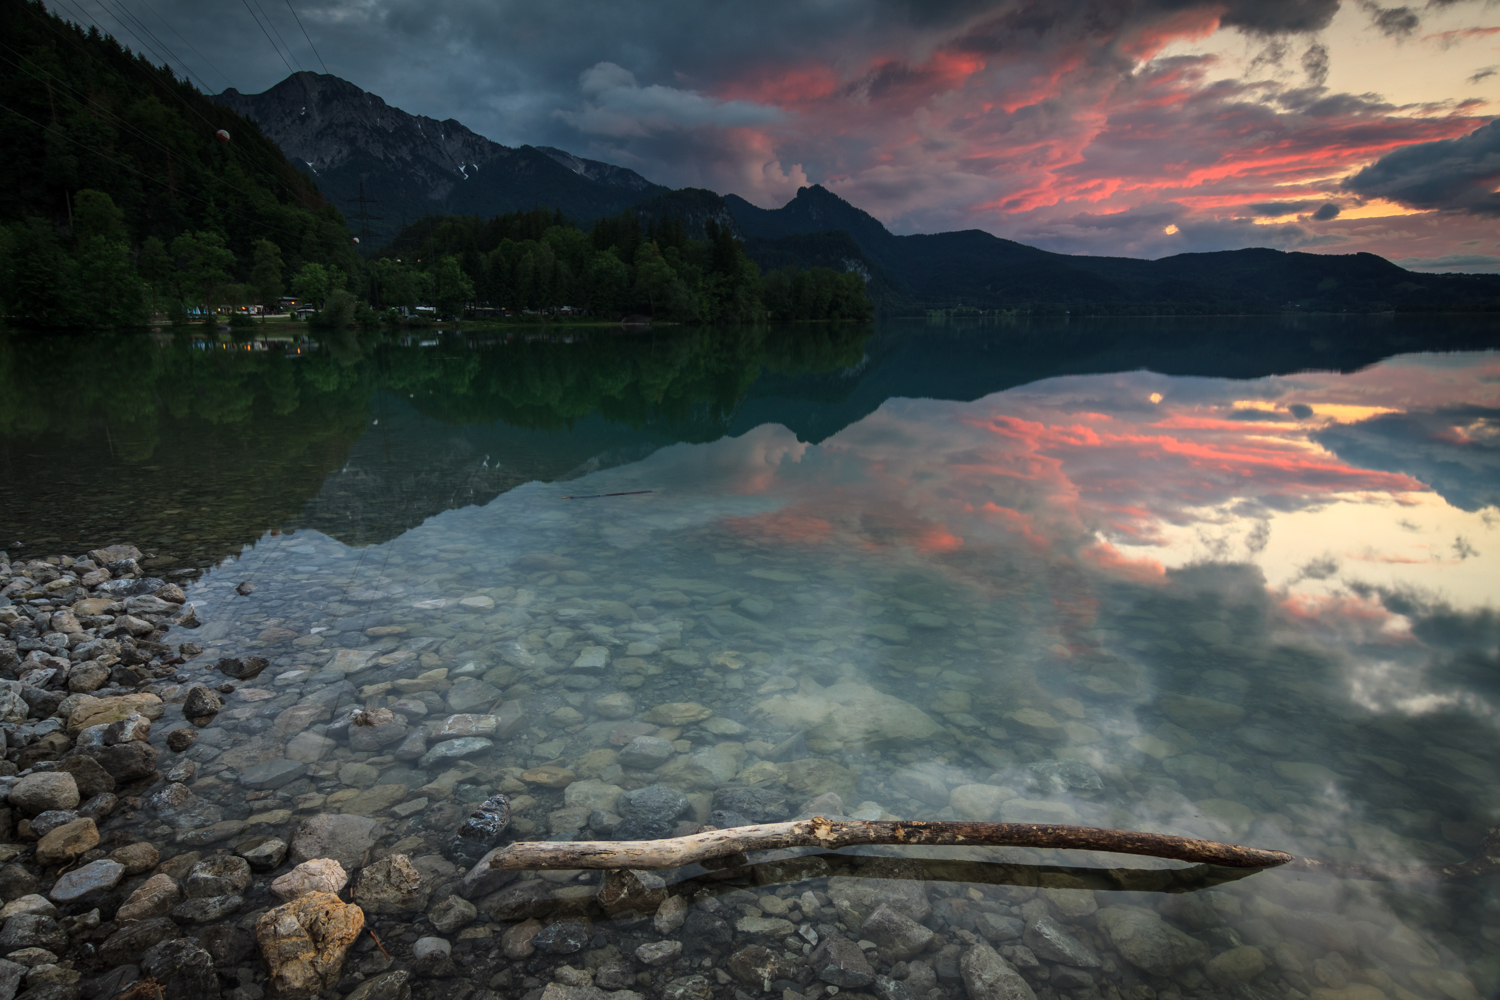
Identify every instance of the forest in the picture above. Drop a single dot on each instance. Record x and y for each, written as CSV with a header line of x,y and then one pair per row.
x,y
538,262
136,199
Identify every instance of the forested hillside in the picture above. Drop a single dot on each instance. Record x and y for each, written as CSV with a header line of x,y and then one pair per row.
x,y
120,196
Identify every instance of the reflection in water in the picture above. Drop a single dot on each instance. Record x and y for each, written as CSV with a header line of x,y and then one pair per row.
x,y
1257,610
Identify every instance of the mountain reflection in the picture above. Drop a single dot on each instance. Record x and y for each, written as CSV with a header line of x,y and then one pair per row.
x,y
193,448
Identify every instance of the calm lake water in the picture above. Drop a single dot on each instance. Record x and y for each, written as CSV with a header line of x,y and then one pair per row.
x,y
1226,579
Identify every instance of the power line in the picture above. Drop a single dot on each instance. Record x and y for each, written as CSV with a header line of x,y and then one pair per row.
x,y
189,44
268,171
305,35
263,31
73,39
163,45
121,123
278,34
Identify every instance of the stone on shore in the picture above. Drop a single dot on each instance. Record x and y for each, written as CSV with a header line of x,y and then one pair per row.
x,y
345,838
319,875
303,943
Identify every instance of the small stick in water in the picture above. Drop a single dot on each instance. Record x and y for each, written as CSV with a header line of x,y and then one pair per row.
x,y
596,496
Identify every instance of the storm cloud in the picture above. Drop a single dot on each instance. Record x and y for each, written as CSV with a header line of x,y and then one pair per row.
x,y
1455,174
1032,119
1455,451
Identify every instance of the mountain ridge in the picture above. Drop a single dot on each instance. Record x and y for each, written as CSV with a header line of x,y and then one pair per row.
x,y
417,166
410,166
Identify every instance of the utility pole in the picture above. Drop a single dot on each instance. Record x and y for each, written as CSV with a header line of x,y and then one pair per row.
x,y
364,218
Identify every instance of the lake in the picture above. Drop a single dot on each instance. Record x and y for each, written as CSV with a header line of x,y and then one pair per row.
x,y
1227,579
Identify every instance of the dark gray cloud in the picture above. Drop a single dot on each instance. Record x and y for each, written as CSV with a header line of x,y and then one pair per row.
x,y
1455,451
933,115
1274,17
1470,262
1327,213
1397,22
1315,64
1455,174
1275,208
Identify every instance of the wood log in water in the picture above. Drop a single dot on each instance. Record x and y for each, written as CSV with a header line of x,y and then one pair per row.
x,y
710,846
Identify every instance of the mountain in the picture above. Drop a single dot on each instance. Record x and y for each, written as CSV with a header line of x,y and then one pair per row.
x,y
974,269
413,166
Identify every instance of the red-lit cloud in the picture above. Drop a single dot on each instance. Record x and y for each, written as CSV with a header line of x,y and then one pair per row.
x,y
1100,126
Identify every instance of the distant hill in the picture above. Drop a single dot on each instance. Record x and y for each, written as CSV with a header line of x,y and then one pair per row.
x,y
973,269
415,166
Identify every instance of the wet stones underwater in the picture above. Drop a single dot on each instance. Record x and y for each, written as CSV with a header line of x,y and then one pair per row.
x,y
216,790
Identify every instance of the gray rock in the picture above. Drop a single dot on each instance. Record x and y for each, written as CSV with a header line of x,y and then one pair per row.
x,y
44,823
510,719
645,753
206,909
32,930
452,913
1065,977
220,875
91,779
387,986
272,774
126,762
591,660
886,988
344,838
472,695
688,988
262,853
995,927
182,968
1049,941
654,802
390,885
454,749
94,877
413,747
44,791
987,976
658,952
11,974
179,808
894,930
134,727
242,668
565,937
839,962
1146,941
127,943
1058,776
759,805
201,704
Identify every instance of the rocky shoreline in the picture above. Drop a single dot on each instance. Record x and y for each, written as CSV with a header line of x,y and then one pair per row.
x,y
181,824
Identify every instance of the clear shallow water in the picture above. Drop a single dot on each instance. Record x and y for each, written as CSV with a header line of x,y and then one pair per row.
x,y
1258,610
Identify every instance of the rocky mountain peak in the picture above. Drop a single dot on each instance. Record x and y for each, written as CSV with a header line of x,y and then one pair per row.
x,y
413,165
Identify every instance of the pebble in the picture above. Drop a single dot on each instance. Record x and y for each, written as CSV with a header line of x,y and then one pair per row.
x,y
94,877
454,750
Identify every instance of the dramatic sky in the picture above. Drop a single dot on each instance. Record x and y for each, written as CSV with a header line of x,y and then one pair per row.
x,y
1140,127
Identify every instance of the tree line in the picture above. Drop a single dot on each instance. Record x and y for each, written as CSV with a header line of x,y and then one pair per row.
x,y
539,262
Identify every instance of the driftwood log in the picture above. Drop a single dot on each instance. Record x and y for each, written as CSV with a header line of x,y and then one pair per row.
x,y
710,846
